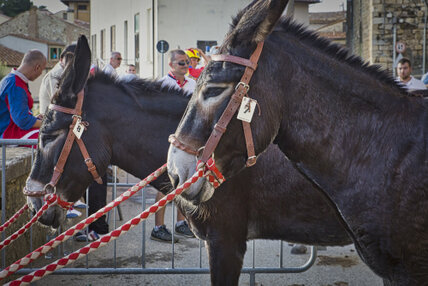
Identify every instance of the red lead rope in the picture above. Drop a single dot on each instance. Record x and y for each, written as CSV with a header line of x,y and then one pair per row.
x,y
213,175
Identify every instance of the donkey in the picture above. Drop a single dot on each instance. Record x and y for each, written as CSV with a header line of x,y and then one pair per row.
x,y
346,126
129,124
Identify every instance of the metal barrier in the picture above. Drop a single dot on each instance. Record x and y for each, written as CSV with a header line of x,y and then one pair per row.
x,y
251,271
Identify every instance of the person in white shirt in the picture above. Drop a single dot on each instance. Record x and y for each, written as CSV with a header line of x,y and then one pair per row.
x,y
130,73
176,77
404,72
179,63
51,79
115,60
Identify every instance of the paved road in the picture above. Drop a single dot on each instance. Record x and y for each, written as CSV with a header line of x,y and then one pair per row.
x,y
337,266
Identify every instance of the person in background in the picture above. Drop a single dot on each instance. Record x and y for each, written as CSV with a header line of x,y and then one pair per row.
x,y
130,73
16,118
195,57
176,78
404,72
51,79
115,60
130,69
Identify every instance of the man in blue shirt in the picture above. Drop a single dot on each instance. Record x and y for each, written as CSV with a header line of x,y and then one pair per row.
x,y
16,118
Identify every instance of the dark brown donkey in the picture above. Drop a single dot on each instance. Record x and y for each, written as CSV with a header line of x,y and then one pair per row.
x,y
347,126
129,125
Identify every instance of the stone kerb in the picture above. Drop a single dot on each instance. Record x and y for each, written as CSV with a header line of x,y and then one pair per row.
x,y
18,165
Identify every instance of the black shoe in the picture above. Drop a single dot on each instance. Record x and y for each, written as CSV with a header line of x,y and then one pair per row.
x,y
162,234
184,230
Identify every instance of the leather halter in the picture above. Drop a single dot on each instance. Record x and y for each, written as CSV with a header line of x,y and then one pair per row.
x,y
71,137
241,90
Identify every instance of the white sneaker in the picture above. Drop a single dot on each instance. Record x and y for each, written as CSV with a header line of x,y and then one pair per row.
x,y
80,205
72,213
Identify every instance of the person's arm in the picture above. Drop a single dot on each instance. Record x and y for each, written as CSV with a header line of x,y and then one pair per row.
x,y
44,94
204,56
19,111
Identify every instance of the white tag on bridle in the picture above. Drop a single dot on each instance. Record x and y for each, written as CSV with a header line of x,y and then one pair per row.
x,y
78,129
246,110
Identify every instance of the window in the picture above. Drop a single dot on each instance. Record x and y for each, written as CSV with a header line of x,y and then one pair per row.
x,y
137,40
113,38
149,37
64,16
103,44
125,41
204,45
94,47
54,53
82,7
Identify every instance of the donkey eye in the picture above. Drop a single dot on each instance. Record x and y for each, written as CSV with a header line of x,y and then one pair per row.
x,y
213,91
46,138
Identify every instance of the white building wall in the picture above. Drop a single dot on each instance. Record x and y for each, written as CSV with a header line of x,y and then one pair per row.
x,y
109,13
23,45
183,23
301,13
180,23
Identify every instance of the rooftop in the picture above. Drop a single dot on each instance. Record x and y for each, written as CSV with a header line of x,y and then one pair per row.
x,y
10,57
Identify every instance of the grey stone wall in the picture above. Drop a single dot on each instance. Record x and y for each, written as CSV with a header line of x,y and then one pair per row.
x,y
18,165
373,28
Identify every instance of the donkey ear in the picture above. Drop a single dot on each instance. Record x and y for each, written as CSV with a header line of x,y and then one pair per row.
x,y
81,64
258,21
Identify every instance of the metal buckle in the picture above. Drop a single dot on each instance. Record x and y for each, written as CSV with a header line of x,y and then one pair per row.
x,y
246,86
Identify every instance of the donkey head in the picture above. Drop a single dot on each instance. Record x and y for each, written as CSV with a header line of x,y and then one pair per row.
x,y
214,90
53,133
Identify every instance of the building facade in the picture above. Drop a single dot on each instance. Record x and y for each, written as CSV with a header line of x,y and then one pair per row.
x,y
134,27
77,10
376,26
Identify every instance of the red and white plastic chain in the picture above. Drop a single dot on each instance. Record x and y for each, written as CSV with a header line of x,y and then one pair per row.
x,y
60,263
13,218
213,175
51,199
81,225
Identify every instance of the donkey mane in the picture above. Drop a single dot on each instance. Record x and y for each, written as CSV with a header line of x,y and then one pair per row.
x,y
311,38
137,86
287,25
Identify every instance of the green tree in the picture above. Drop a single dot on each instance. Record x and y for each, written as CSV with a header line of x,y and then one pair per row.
x,y
12,8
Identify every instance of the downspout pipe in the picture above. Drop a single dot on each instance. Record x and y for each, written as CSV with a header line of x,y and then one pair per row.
x,y
424,38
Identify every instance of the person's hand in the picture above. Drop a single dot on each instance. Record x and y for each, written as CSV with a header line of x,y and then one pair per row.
x,y
40,117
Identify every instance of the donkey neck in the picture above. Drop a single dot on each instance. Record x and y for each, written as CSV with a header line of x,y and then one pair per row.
x,y
343,123
137,135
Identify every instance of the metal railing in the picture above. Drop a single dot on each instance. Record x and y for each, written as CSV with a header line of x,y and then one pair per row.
x,y
251,271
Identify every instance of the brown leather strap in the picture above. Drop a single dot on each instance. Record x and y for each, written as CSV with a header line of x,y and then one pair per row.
x,y
59,167
250,144
174,141
91,167
77,109
241,90
235,59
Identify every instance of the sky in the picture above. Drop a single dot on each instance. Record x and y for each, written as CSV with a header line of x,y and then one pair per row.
x,y
324,6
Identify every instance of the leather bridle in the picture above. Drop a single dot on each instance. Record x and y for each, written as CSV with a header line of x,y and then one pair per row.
x,y
71,137
220,127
